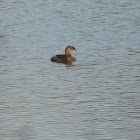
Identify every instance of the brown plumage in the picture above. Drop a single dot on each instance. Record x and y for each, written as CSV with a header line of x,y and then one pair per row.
x,y
67,58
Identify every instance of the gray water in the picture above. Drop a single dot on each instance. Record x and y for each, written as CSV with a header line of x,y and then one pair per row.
x,y
95,98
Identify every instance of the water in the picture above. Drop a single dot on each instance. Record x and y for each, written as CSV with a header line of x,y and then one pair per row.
x,y
95,98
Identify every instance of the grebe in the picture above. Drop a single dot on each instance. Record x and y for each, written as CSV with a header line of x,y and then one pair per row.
x,y
67,58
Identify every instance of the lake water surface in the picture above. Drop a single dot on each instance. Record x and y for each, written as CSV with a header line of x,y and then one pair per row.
x,y
95,98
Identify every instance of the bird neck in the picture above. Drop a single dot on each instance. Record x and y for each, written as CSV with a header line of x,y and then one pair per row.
x,y
68,53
